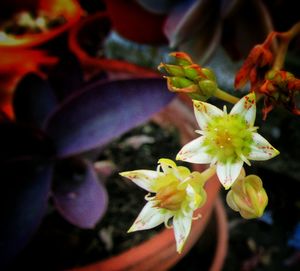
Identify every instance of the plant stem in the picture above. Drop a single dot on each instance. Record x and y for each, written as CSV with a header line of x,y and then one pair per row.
x,y
286,38
208,173
225,96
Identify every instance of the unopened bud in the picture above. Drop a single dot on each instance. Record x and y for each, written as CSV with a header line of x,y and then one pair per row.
x,y
188,77
207,88
248,197
173,70
193,72
181,84
182,58
209,74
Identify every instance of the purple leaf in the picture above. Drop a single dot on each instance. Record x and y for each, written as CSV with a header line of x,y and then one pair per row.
x,y
188,18
78,194
25,187
157,6
204,43
34,99
102,112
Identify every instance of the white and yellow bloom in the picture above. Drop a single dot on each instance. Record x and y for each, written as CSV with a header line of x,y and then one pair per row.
x,y
177,193
227,140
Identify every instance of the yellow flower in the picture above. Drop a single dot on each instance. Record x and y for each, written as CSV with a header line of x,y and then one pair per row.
x,y
227,140
175,193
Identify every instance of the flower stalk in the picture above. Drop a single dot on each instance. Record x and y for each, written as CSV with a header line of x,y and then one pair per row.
x,y
286,38
224,96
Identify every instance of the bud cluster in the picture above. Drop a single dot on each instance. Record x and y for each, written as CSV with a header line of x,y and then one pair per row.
x,y
188,77
280,87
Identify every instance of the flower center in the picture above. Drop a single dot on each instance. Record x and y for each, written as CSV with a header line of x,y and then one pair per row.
x,y
228,137
170,197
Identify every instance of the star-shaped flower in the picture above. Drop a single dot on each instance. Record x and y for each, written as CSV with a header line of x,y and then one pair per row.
x,y
178,192
227,140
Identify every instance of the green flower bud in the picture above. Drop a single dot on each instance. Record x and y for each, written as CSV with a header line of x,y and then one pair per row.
x,y
193,72
248,197
182,58
208,87
181,84
173,70
188,77
209,74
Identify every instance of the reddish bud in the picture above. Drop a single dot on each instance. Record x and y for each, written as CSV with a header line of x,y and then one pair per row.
x,y
258,58
182,58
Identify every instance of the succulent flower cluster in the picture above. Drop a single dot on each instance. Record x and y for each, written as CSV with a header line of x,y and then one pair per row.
x,y
226,141
59,95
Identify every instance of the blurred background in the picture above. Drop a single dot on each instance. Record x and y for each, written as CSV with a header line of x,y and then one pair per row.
x,y
78,88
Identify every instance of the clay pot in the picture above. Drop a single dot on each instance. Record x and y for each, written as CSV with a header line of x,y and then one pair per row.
x,y
159,253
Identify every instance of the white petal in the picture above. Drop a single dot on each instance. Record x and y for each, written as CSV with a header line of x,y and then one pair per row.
x,y
261,149
143,178
246,107
228,172
204,112
194,152
182,227
149,218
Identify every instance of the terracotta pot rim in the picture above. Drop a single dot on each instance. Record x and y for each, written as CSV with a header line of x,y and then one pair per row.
x,y
217,261
222,233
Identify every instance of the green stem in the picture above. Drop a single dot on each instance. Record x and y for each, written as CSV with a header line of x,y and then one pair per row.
x,y
226,96
283,47
280,56
208,173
